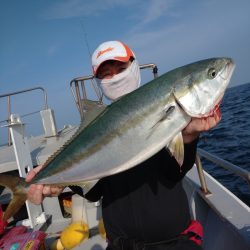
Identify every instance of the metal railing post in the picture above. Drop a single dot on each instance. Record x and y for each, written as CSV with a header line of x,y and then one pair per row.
x,y
9,113
201,175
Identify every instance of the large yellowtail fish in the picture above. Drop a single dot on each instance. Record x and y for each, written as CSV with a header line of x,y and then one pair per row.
x,y
133,128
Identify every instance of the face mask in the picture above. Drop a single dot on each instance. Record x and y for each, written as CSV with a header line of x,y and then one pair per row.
x,y
122,83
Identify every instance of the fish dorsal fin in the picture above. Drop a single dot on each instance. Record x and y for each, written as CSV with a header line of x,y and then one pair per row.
x,y
176,148
90,117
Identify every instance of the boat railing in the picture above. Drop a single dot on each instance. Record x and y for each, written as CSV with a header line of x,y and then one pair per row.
x,y
243,173
9,100
79,92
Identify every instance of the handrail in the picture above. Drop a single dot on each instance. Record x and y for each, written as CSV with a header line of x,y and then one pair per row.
x,y
80,95
151,65
82,79
8,95
243,173
27,90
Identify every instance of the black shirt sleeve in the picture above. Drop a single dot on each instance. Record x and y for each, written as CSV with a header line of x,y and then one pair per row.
x,y
93,195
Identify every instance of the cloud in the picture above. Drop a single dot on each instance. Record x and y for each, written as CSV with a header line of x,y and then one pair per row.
x,y
78,8
153,11
144,10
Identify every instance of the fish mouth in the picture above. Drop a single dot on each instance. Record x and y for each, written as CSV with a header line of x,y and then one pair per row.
x,y
228,71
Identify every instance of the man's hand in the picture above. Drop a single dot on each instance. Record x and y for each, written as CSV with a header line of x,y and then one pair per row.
x,y
198,125
38,192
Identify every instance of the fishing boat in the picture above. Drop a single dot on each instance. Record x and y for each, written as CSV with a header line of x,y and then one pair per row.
x,y
225,218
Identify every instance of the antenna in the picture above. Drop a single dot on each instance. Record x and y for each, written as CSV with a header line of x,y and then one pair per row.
x,y
86,39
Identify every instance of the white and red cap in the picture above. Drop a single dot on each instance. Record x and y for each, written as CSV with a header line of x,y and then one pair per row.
x,y
111,50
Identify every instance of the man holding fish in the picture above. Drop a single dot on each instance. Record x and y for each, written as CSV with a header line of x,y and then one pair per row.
x,y
144,207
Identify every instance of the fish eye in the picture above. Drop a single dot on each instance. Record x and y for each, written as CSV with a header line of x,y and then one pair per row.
x,y
211,73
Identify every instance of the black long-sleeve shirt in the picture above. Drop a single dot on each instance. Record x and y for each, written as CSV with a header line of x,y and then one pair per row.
x,y
147,202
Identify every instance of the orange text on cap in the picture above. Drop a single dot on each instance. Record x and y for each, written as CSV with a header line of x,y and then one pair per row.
x,y
101,52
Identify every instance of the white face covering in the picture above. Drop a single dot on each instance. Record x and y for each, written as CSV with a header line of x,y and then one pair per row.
x,y
122,83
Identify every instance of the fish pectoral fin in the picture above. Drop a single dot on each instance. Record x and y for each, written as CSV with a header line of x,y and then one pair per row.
x,y
176,148
165,116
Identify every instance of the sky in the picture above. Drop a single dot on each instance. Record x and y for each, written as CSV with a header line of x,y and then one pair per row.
x,y
48,43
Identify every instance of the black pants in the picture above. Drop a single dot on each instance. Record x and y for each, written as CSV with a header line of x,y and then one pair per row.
x,y
181,243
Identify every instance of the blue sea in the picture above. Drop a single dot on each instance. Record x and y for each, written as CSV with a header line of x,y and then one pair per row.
x,y
230,140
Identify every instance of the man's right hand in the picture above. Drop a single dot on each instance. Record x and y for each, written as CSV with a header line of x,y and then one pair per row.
x,y
37,192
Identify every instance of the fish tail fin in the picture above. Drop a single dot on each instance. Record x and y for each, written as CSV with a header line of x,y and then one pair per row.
x,y
18,187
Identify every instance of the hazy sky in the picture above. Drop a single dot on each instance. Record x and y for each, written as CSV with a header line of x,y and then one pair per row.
x,y
43,43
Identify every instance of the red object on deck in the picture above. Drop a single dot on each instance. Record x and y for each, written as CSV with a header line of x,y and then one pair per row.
x,y
19,237
3,223
195,230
